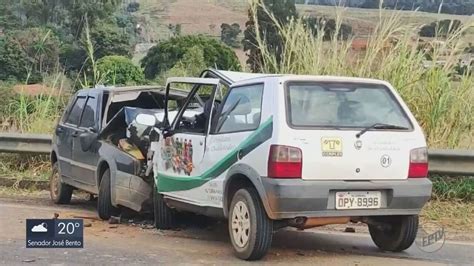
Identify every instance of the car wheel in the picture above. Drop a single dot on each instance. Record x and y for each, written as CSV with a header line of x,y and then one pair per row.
x,y
104,202
165,217
60,192
399,234
250,229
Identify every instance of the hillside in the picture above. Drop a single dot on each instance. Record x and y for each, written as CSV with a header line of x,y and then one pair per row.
x,y
206,16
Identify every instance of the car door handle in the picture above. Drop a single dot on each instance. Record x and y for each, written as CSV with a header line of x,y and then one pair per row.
x,y
75,134
59,131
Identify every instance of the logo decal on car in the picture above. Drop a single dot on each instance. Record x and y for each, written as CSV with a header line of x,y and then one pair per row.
x,y
331,146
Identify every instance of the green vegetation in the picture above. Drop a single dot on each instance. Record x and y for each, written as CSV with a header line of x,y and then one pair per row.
x,y
440,100
445,188
28,54
47,37
264,21
229,34
191,65
120,70
441,28
109,40
166,54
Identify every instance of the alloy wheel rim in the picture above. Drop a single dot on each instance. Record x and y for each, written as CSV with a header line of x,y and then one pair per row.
x,y
240,224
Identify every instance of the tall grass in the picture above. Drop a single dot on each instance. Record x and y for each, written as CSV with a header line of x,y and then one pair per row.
x,y
27,113
37,113
440,100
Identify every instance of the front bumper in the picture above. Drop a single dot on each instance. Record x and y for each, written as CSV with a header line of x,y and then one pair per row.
x,y
288,198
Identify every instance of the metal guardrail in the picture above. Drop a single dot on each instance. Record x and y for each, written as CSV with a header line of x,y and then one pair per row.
x,y
443,162
25,143
451,162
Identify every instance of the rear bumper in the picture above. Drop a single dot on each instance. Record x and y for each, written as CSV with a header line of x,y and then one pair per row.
x,y
303,198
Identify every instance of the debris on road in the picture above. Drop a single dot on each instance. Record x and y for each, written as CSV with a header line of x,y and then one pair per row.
x,y
349,230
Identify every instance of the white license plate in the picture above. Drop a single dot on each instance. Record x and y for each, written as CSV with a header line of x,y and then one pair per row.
x,y
358,200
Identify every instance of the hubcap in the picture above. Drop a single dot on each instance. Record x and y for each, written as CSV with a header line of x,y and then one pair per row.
x,y
55,184
240,224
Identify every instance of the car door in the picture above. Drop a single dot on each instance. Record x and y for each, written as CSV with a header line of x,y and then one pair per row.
x,y
85,162
179,161
238,130
65,134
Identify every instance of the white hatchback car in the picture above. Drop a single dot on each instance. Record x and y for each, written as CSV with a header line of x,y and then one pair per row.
x,y
271,151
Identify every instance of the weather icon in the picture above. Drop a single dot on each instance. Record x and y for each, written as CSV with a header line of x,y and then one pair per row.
x,y
40,228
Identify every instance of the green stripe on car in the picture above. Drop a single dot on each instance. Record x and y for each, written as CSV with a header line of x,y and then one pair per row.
x,y
169,183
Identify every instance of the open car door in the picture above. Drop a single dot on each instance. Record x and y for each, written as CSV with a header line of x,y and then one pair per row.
x,y
179,154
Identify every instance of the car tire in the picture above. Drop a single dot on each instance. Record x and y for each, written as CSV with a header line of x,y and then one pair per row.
x,y
250,229
164,216
60,192
104,202
399,236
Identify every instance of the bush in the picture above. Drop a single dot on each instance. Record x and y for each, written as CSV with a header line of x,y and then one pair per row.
x,y
442,28
119,70
166,54
28,54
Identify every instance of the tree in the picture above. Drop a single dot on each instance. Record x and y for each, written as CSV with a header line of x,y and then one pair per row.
x,y
329,26
67,14
229,34
120,70
166,54
191,65
13,62
28,54
109,40
283,11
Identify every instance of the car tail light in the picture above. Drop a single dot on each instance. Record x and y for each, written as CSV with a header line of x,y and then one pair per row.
x,y
418,163
285,162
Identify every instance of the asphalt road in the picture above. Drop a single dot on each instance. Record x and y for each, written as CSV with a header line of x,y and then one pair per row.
x,y
200,241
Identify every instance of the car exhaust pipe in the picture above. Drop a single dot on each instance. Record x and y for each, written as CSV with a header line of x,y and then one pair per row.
x,y
306,223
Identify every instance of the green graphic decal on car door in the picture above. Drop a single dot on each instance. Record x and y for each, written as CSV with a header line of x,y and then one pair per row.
x,y
167,183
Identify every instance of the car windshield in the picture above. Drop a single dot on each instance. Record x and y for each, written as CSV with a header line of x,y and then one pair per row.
x,y
343,105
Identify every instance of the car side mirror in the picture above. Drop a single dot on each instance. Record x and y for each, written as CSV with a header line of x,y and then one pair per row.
x,y
87,139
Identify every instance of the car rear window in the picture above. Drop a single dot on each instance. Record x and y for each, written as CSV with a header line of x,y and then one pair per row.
x,y
343,105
